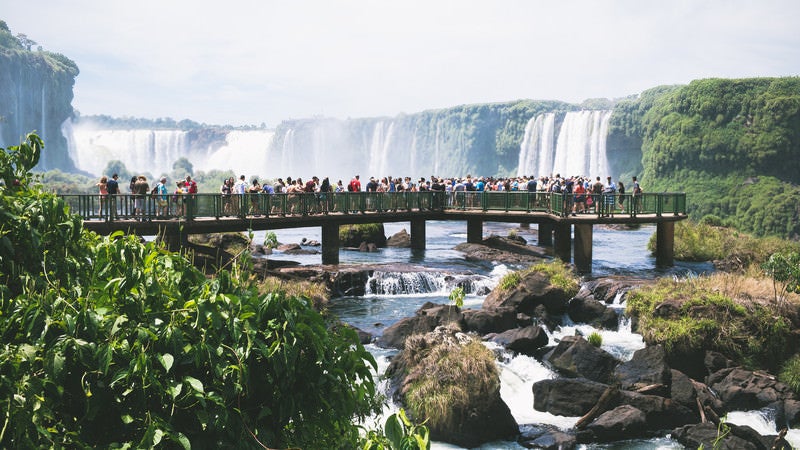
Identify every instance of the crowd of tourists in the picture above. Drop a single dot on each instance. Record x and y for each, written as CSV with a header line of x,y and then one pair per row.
x,y
580,194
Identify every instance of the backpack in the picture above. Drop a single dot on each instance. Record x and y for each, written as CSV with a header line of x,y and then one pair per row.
x,y
154,191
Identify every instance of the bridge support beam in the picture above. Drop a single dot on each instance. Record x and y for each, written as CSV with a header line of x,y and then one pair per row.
x,y
418,234
665,242
583,247
545,234
330,244
474,231
563,241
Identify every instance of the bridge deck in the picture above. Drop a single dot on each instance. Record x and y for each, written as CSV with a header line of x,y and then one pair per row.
x,y
205,213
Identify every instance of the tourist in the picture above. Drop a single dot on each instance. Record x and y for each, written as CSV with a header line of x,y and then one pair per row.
x,y
191,199
225,190
621,192
580,198
113,189
103,185
161,198
140,190
253,191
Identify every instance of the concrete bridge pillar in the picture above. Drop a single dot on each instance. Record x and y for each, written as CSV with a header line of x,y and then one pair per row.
x,y
665,242
583,247
563,241
474,231
545,234
418,234
330,244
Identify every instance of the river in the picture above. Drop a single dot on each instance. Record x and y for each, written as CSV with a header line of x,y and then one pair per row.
x,y
394,295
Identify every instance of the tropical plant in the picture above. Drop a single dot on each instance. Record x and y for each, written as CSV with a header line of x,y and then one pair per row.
x,y
457,296
790,374
400,433
784,269
112,343
271,240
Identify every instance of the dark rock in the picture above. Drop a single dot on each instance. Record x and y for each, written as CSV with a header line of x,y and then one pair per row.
x,y
709,436
741,389
548,438
400,239
426,319
588,310
648,366
682,390
576,357
622,422
566,396
500,249
534,289
354,235
485,321
661,413
482,416
791,412
367,247
285,247
523,340
715,361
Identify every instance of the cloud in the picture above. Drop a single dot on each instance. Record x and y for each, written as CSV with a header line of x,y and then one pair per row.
x,y
244,62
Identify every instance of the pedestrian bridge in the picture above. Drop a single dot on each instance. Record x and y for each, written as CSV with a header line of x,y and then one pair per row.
x,y
174,217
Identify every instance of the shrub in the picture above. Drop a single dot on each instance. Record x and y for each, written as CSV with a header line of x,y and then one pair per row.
x,y
790,374
114,343
595,339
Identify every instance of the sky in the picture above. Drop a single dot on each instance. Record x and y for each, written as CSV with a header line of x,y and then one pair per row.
x,y
248,62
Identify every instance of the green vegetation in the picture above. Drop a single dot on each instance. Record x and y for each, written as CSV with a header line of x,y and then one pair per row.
x,y
271,240
457,296
784,270
400,434
595,339
706,242
454,376
112,343
730,144
701,314
790,374
559,274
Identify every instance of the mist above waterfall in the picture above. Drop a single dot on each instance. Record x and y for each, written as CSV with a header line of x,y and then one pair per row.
x,y
527,138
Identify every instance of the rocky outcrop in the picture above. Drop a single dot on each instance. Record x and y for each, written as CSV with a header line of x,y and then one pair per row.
x,y
647,367
708,435
351,236
741,389
485,321
534,289
576,357
462,371
426,319
36,95
502,250
400,239
522,340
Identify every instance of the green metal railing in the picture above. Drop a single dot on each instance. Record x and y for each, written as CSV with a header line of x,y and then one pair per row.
x,y
216,206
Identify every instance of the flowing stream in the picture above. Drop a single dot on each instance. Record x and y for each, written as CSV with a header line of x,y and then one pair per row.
x,y
392,296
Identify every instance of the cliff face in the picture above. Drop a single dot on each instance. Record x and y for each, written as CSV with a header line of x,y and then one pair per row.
x,y
36,95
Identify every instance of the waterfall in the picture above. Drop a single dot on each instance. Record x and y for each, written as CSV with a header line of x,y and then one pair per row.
x,y
536,151
244,152
43,112
435,283
379,148
579,149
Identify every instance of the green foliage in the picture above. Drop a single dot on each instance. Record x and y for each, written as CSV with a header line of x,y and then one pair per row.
x,y
784,269
790,374
271,240
457,296
182,166
595,339
706,242
560,275
400,434
113,343
510,281
705,320
455,375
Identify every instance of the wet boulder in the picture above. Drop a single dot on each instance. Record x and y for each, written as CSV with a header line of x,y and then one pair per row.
x,y
647,367
741,389
707,435
566,396
534,289
522,340
425,320
622,422
401,239
587,310
575,357
485,321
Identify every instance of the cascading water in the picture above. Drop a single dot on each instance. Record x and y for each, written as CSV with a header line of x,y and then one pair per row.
x,y
244,152
579,149
434,283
